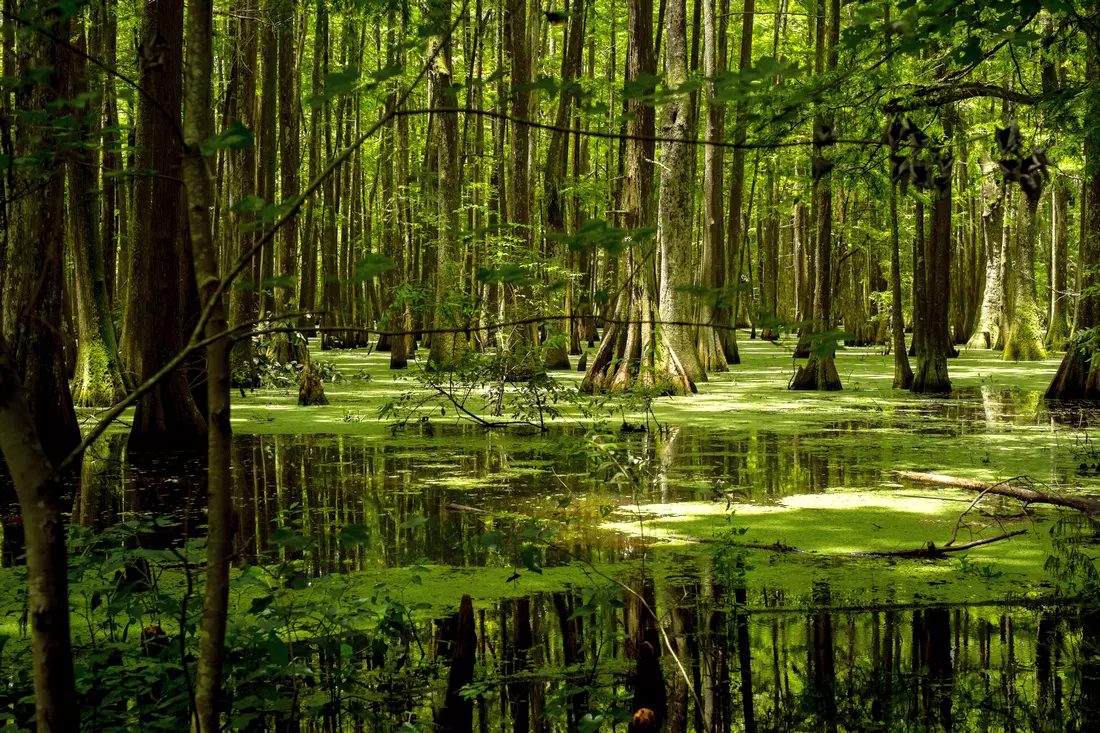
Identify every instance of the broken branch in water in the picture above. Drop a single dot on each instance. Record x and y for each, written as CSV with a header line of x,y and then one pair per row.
x,y
1028,496
932,551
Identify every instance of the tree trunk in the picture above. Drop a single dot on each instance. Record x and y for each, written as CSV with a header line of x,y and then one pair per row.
x,y
219,534
448,344
1024,341
98,381
726,317
677,359
153,330
711,350
34,262
1058,330
289,347
819,371
903,373
56,707
931,373
987,333
243,300
307,295
619,359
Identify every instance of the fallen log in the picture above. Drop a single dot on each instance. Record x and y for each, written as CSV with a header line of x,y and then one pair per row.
x,y
931,550
1028,496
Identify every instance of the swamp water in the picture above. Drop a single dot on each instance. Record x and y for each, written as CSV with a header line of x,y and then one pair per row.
x,y
356,625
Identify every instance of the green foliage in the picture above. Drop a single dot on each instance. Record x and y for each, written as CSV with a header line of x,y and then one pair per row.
x,y
237,137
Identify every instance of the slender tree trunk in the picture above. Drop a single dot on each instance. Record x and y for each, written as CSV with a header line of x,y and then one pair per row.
x,y
243,300
820,370
290,348
55,698
726,317
98,381
711,341
450,344
307,295
219,539
903,373
557,357
1058,330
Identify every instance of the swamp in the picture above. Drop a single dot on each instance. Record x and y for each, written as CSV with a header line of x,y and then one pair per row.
x,y
558,366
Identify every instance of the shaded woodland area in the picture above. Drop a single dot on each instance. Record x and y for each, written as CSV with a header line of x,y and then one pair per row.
x,y
194,194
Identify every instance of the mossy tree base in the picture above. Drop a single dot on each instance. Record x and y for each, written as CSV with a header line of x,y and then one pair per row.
x,y
1024,342
1058,334
819,373
1078,376
556,359
311,390
97,381
289,347
983,339
931,376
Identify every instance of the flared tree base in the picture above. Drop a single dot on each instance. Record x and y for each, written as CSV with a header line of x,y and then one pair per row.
x,y
903,373
311,390
556,359
1078,376
1058,334
983,339
97,382
1023,343
931,376
819,373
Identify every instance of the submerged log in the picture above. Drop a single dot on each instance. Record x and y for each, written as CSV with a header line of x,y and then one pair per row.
x,y
1028,496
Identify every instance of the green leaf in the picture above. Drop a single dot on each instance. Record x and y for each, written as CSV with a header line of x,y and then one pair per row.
x,y
372,266
492,540
508,273
259,605
289,538
237,137
414,522
354,535
528,557
276,649
250,204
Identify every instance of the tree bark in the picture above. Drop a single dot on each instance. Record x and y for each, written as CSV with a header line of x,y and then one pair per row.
x,y
1024,341
290,347
34,261
903,373
98,381
451,343
820,372
55,699
931,375
711,350
219,539
735,231
987,333
153,330
677,359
